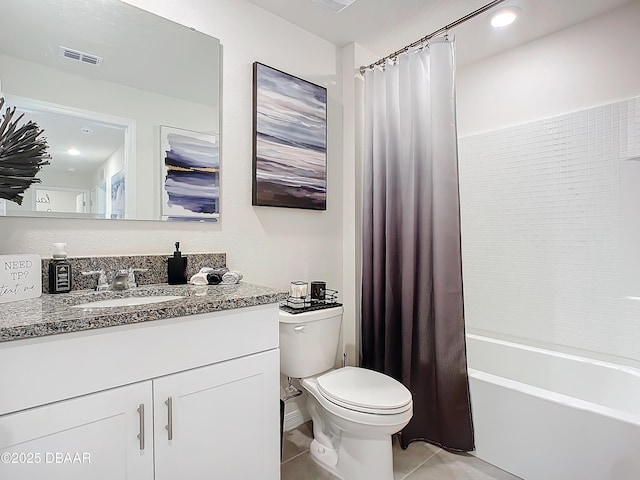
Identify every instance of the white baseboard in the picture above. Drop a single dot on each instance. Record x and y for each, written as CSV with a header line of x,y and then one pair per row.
x,y
294,419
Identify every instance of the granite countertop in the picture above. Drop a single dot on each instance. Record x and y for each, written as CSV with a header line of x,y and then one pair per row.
x,y
53,314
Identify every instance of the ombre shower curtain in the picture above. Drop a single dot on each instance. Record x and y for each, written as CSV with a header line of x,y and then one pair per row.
x,y
412,307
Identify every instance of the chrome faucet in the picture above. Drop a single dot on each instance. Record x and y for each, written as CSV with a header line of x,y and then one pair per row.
x,y
120,280
123,279
126,278
103,282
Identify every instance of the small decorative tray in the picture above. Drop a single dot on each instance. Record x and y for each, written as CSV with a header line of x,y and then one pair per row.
x,y
307,304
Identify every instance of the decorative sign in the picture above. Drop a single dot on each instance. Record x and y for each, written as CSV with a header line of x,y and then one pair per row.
x,y
20,277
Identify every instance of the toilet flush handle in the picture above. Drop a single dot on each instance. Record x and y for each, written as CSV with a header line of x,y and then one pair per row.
x,y
300,329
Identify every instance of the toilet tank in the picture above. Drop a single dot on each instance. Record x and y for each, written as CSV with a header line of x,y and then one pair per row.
x,y
309,341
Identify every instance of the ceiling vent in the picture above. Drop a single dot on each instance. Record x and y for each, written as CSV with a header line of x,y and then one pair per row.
x,y
79,56
334,5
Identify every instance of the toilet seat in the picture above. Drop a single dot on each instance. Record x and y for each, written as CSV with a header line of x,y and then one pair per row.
x,y
364,391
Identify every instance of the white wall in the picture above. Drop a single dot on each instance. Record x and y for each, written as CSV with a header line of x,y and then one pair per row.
x,y
589,64
270,245
540,225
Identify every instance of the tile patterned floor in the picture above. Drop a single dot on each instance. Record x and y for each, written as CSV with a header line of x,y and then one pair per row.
x,y
421,461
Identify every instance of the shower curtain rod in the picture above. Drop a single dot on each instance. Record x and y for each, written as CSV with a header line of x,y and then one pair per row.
x,y
444,29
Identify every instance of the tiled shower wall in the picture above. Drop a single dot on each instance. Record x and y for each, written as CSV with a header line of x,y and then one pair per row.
x,y
550,226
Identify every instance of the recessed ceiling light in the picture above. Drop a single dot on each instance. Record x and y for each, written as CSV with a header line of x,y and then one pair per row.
x,y
71,169
73,151
86,130
504,17
334,5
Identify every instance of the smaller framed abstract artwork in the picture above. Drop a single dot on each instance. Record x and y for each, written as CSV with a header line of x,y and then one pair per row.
x,y
289,141
118,195
190,175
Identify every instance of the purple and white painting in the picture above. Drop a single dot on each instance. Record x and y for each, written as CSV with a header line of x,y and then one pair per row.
x,y
118,195
191,175
290,140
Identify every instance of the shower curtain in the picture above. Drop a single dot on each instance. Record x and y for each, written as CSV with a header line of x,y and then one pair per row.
x,y
412,309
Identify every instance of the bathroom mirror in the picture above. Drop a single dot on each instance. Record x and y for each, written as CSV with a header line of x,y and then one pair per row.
x,y
101,77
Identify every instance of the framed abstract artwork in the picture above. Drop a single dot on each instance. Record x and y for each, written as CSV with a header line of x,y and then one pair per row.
x,y
190,175
289,141
118,195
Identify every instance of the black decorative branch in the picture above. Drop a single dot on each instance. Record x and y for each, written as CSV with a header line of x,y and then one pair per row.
x,y
23,152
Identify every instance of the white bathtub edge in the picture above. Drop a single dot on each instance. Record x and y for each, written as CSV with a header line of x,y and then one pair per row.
x,y
554,396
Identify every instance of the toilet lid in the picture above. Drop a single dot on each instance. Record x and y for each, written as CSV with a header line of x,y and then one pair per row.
x,y
364,390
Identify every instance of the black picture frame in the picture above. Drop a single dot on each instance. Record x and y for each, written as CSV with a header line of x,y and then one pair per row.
x,y
289,141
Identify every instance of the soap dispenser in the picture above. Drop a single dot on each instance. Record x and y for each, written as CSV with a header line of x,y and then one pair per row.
x,y
177,267
60,274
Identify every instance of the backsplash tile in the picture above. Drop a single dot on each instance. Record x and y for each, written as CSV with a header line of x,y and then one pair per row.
x,y
156,265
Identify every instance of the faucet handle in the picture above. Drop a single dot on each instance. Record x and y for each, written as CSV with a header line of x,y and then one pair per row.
x,y
132,276
93,272
103,282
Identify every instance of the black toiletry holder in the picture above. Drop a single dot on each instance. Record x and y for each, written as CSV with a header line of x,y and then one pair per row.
x,y
307,304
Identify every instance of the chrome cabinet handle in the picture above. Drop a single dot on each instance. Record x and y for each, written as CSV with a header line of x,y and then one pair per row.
x,y
141,434
169,427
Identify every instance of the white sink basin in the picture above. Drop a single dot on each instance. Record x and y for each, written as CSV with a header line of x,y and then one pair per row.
x,y
128,301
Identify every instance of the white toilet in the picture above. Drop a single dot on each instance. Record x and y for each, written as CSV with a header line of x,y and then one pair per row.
x,y
354,410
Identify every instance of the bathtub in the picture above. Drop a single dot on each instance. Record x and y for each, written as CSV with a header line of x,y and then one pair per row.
x,y
544,415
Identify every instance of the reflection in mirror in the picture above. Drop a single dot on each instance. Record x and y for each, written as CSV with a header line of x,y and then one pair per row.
x,y
92,151
101,77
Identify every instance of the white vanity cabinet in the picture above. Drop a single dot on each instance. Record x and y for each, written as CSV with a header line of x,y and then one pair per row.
x,y
202,390
222,421
93,436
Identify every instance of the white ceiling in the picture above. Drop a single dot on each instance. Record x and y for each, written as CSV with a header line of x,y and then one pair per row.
x,y
384,26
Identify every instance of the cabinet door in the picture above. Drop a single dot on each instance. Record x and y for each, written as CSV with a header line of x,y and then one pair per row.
x,y
91,437
225,421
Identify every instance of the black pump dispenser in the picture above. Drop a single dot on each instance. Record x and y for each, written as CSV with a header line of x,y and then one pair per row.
x,y
177,267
